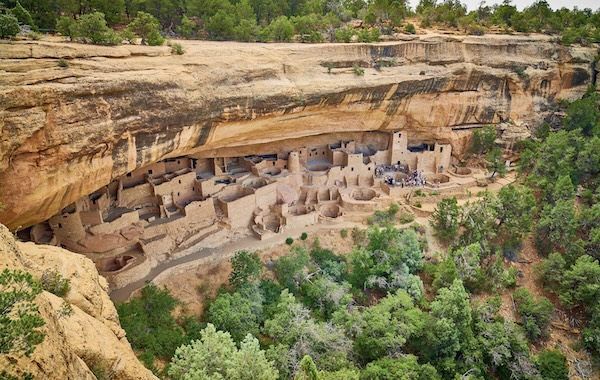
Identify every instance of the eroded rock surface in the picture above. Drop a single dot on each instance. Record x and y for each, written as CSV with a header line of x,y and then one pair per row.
x,y
66,132
73,343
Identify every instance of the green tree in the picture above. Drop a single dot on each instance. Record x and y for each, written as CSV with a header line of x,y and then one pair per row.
x,y
234,314
580,285
535,314
445,219
282,29
564,190
495,162
220,26
450,329
308,370
145,26
515,210
9,26
290,268
246,267
20,319
584,114
556,227
403,368
247,30
23,15
296,334
215,356
479,221
551,270
187,28
66,27
92,28
553,365
385,328
149,324
588,159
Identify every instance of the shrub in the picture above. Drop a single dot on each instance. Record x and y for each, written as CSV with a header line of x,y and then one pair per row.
x,y
155,39
20,317
66,310
176,48
418,205
55,283
63,63
289,241
344,233
553,365
128,35
410,28
329,66
535,314
34,36
9,26
303,236
357,70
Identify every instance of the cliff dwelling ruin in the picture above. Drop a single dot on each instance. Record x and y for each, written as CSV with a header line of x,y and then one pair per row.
x,y
155,212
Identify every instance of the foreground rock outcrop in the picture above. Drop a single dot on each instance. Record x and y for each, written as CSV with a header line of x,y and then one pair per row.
x,y
90,337
66,132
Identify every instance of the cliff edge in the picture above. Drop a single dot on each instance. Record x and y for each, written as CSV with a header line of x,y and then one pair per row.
x,y
76,344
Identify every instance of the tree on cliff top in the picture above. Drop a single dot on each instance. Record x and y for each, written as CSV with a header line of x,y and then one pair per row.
x,y
147,27
19,317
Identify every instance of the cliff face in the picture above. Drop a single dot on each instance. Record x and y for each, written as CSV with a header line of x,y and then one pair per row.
x,y
90,336
65,132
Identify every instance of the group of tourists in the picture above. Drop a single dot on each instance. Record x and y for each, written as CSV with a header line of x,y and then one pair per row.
x,y
413,179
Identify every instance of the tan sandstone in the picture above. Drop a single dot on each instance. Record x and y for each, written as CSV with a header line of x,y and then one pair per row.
x,y
91,333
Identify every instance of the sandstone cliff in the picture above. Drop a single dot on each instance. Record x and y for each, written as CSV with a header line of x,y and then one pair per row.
x,y
90,336
65,132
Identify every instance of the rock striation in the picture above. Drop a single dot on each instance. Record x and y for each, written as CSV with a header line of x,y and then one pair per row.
x,y
74,344
66,132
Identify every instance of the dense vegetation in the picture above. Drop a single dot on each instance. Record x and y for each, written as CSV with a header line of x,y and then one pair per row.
x,y
303,20
382,312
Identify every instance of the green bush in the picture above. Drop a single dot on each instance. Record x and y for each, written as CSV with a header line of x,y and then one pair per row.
x,y
176,48
304,236
410,28
357,70
155,39
63,63
289,241
553,365
9,26
344,233
34,36
55,283
535,314
19,315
